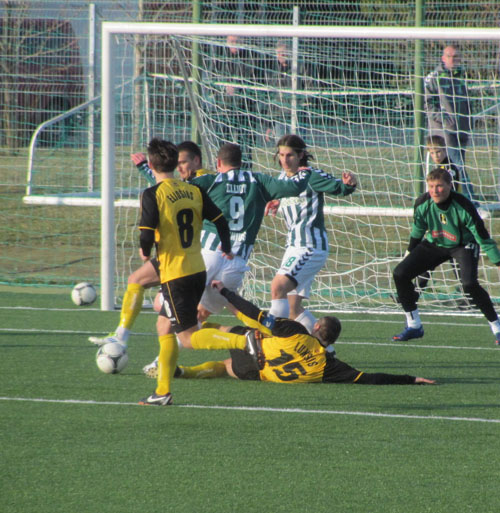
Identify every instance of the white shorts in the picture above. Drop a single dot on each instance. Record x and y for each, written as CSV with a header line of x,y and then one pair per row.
x,y
230,272
302,265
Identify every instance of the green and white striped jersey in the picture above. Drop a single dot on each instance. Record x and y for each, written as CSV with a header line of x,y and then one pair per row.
x,y
242,197
304,215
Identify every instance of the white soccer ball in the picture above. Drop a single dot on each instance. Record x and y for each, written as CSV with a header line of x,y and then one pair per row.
x,y
111,358
83,294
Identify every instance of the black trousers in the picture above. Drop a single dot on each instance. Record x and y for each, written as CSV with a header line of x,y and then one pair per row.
x,y
427,256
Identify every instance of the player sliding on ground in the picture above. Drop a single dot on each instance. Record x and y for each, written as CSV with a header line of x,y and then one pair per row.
x,y
280,350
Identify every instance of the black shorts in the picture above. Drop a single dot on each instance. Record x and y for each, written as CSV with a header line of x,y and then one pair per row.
x,y
244,366
181,300
156,265
336,371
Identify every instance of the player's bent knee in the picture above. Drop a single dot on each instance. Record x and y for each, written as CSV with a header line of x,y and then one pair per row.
x,y
203,314
229,368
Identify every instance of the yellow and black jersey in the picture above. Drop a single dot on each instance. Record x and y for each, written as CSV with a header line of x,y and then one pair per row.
x,y
203,171
172,213
292,355
298,358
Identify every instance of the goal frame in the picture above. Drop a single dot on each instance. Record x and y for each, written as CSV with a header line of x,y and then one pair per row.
x,y
110,29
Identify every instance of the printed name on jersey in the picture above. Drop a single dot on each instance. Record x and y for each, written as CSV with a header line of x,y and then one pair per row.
x,y
442,233
309,357
236,188
181,194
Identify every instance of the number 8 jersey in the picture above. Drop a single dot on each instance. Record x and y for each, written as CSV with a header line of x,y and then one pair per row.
x,y
175,210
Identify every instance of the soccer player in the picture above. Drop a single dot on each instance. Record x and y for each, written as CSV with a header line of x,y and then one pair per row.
x,y
445,225
280,350
189,166
307,242
242,196
172,212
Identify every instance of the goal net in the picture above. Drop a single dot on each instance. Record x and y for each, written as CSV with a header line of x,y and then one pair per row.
x,y
352,93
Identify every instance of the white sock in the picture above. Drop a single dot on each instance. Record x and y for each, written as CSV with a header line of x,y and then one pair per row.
x,y
413,319
122,334
280,308
495,326
307,319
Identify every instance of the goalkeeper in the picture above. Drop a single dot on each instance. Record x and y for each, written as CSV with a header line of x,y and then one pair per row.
x,y
286,353
454,230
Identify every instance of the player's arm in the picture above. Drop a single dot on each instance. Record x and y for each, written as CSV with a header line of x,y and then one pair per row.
x,y
321,181
476,226
275,189
212,213
432,103
254,317
419,225
139,159
149,220
381,378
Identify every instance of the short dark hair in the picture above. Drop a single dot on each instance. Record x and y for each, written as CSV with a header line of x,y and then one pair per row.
x,y
436,140
329,329
163,155
230,154
297,144
440,173
191,148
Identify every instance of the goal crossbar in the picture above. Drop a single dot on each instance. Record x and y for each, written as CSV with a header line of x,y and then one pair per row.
x,y
112,29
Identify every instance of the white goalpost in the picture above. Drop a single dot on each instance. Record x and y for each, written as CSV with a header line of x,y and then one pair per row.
x,y
349,98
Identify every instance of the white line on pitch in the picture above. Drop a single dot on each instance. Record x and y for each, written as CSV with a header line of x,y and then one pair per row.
x,y
400,344
263,409
422,346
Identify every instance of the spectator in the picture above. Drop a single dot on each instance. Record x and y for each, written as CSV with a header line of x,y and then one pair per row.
x,y
448,108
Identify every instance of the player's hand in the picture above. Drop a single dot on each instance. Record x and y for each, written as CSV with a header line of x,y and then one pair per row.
x,y
423,381
138,158
349,178
144,258
228,256
217,284
272,208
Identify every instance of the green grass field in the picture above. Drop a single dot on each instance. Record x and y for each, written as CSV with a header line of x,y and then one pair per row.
x,y
75,440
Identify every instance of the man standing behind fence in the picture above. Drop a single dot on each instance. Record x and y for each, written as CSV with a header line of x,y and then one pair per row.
x,y
448,109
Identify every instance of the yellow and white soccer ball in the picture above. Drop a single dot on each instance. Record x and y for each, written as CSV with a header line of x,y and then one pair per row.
x,y
83,293
111,358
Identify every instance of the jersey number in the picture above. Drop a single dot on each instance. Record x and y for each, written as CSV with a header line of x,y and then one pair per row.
x,y
185,224
237,213
288,371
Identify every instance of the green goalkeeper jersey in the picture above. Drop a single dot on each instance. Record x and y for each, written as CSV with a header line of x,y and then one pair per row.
x,y
242,196
454,222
